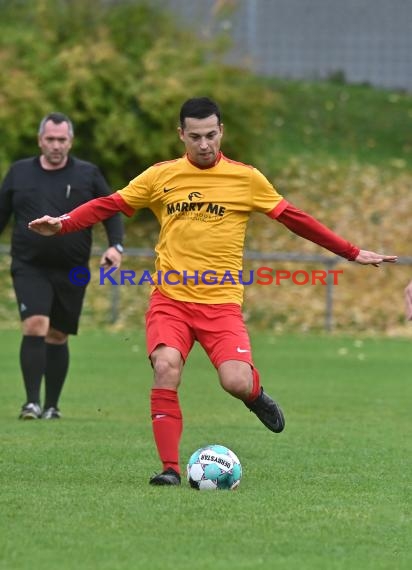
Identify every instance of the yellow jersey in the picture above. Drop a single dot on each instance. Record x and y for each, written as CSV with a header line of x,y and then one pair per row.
x,y
203,214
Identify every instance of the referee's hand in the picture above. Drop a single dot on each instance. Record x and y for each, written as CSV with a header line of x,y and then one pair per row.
x,y
111,258
46,226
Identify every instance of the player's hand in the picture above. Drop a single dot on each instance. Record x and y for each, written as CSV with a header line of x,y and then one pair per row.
x,y
371,258
46,226
111,258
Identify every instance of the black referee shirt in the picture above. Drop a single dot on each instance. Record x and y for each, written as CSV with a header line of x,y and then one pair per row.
x,y
29,191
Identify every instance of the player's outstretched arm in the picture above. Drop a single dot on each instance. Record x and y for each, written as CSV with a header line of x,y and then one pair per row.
x,y
82,217
46,225
371,258
308,227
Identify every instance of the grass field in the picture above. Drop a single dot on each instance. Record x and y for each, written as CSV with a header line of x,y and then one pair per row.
x,y
331,492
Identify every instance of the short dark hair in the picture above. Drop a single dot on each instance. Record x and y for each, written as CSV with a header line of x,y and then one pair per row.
x,y
56,118
199,108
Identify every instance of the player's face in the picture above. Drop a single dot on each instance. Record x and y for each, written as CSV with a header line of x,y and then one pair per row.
x,y
202,139
55,143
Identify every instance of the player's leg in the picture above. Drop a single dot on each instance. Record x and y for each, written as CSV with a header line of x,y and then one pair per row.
x,y
34,297
64,320
167,421
239,378
169,340
224,336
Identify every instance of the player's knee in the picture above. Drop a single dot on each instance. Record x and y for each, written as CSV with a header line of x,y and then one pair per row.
x,y
236,385
167,365
167,370
236,378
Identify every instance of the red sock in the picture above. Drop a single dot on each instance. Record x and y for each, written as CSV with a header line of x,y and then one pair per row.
x,y
255,386
167,426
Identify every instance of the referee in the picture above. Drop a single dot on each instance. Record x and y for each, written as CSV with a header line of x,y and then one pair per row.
x,y
48,303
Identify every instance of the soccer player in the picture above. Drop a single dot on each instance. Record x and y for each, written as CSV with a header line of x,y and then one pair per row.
x,y
202,201
49,304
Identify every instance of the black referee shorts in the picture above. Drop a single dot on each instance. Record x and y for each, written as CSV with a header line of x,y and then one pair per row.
x,y
48,291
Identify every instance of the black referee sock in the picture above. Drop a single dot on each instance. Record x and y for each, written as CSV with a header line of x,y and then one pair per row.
x,y
56,372
33,365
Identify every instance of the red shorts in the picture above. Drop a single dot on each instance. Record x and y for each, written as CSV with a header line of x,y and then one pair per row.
x,y
220,329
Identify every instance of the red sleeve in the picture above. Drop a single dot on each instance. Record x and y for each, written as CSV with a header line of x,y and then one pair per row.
x,y
306,226
94,211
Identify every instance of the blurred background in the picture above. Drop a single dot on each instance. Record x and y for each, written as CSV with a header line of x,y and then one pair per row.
x,y
366,41
315,94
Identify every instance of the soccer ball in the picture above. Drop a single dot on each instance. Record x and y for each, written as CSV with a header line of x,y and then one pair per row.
x,y
214,467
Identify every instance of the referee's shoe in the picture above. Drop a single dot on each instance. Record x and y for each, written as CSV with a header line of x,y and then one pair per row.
x,y
30,411
268,411
51,413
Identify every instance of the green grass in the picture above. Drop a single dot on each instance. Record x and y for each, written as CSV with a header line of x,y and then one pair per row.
x,y
323,121
329,493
